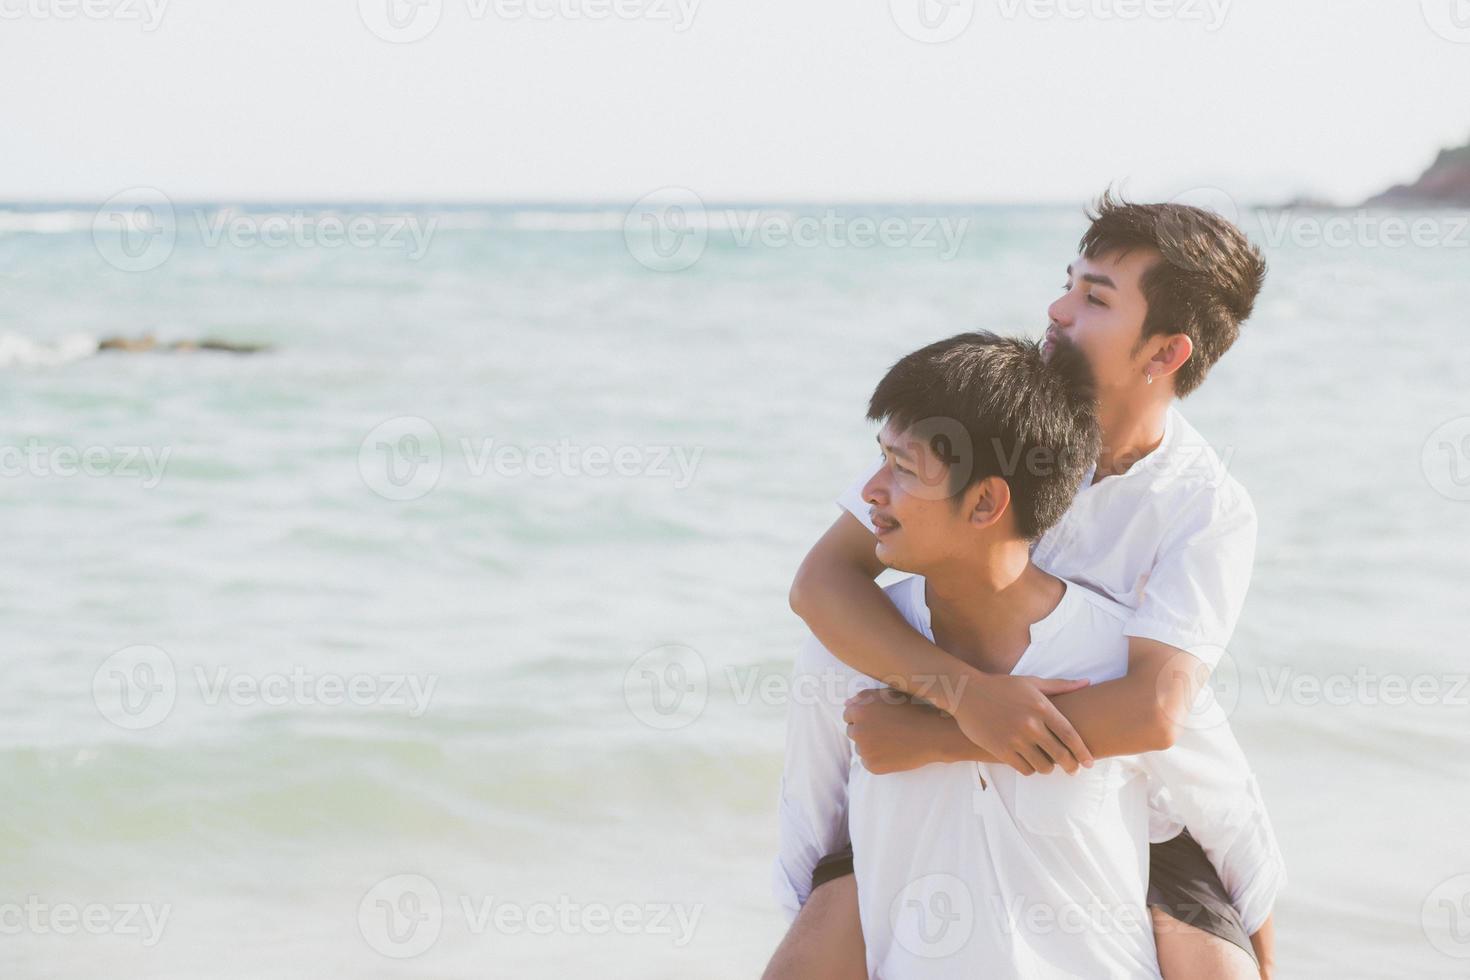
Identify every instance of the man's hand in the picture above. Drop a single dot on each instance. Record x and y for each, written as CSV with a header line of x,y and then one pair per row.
x,y
1014,720
893,732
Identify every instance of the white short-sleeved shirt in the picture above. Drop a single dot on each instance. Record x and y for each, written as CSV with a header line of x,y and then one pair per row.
x,y
970,869
1173,539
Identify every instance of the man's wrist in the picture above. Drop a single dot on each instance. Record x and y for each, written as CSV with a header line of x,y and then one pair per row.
x,y
949,692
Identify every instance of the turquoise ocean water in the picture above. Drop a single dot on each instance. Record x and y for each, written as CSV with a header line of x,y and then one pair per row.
x,y
446,638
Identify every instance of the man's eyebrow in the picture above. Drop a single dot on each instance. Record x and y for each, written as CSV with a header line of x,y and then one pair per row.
x,y
893,450
1098,280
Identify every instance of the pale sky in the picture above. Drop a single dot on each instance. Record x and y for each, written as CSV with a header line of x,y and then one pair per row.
x,y
1033,100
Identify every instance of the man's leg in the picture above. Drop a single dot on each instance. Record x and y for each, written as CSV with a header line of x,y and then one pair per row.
x,y
1190,953
826,940
1198,932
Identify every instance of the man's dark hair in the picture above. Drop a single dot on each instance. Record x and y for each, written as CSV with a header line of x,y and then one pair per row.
x,y
1028,419
1204,286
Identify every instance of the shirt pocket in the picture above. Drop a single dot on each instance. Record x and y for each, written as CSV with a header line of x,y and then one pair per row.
x,y
1059,805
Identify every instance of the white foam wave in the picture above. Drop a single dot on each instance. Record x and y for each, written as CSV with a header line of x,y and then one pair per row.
x,y
18,351
46,222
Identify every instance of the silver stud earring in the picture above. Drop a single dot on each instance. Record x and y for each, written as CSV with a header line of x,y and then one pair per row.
x,y
1150,378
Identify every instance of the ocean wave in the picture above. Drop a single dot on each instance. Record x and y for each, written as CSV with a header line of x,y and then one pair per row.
x,y
46,222
19,351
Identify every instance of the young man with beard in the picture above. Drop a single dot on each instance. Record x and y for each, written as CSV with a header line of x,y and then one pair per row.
x,y
1155,297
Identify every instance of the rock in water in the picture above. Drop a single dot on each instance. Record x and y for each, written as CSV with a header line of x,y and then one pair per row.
x,y
1446,183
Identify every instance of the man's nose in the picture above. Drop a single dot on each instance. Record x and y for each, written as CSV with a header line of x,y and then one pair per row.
x,y
875,491
1060,312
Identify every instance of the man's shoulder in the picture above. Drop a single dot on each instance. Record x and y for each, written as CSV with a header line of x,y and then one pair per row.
x,y
1089,640
1098,608
820,680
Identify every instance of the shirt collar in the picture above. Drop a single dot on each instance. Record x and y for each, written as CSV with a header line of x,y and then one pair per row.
x,y
1164,448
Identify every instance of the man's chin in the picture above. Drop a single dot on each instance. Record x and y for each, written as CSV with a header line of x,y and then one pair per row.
x,y
894,558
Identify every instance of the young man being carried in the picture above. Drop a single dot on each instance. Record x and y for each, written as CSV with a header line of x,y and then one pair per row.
x,y
1156,296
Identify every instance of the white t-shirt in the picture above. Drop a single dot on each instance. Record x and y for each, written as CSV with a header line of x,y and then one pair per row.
x,y
970,869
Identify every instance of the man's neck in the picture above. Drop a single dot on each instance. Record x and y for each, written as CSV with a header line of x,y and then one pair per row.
x,y
982,610
1131,429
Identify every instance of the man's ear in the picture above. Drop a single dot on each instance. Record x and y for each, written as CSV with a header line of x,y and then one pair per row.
x,y
987,501
1170,355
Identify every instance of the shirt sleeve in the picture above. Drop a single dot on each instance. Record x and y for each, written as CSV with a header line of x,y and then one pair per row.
x,y
852,498
813,804
1205,781
1194,593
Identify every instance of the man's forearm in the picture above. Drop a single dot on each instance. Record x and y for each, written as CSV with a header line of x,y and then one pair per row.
x,y
1142,711
1105,715
1117,717
853,618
